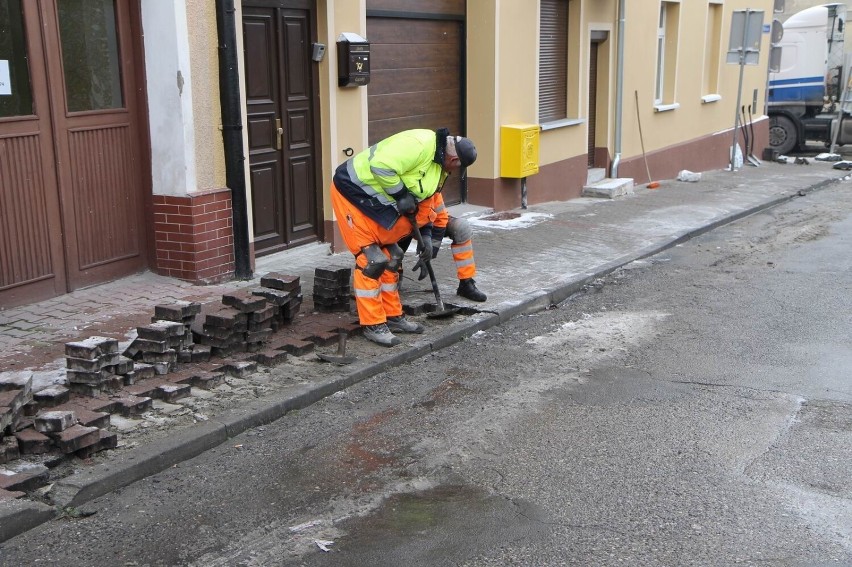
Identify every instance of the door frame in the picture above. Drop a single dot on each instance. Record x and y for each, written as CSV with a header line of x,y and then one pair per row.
x,y
48,93
54,284
599,40
310,7
131,64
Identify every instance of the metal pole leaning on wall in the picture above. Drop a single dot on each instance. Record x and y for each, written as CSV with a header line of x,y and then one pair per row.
x,y
742,55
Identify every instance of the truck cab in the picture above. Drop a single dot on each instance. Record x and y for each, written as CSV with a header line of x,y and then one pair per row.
x,y
804,96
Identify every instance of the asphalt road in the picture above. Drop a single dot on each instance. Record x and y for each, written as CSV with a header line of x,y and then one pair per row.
x,y
692,409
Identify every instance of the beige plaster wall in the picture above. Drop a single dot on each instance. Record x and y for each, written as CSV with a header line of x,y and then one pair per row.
x,y
503,69
693,119
483,96
204,57
325,19
344,110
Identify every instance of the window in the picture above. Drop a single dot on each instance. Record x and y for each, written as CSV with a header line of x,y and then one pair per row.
x,y
667,42
553,61
90,58
15,95
712,49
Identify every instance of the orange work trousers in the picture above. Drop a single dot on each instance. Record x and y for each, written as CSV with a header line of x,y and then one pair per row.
x,y
462,251
463,257
376,300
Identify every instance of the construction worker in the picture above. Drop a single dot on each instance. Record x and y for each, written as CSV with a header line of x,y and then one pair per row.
x,y
461,234
374,193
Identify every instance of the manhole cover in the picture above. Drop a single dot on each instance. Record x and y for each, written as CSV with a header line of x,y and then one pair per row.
x,y
501,216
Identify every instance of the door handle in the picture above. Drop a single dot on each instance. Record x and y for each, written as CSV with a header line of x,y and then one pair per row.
x,y
279,137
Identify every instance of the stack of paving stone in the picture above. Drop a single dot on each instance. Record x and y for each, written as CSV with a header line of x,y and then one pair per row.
x,y
331,290
67,434
220,329
258,318
242,322
94,366
183,312
15,394
284,292
163,344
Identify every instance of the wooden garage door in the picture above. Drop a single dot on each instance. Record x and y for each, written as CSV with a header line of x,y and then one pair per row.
x,y
417,67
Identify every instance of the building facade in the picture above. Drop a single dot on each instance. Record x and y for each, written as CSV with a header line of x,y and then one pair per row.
x,y
191,136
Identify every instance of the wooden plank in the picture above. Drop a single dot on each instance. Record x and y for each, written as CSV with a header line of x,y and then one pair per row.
x,y
388,81
401,31
413,57
444,7
382,107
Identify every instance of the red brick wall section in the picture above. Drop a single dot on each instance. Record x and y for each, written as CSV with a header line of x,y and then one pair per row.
x,y
194,236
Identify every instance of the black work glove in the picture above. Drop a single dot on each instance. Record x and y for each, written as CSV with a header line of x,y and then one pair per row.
x,y
423,256
421,266
406,204
437,236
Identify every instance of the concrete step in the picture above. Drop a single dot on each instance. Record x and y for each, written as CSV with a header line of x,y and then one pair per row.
x,y
595,174
609,188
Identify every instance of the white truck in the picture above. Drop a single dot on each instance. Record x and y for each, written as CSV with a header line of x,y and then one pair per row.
x,y
805,95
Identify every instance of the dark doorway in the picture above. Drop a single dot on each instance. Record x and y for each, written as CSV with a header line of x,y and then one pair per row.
x,y
593,99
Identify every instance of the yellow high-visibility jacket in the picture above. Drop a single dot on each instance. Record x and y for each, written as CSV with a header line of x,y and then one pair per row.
x,y
375,178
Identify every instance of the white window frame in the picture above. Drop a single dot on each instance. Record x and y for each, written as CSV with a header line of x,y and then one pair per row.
x,y
713,51
659,87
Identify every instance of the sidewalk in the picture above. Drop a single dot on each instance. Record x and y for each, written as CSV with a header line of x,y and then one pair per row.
x,y
526,260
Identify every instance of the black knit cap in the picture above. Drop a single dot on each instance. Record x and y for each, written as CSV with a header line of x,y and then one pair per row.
x,y
466,151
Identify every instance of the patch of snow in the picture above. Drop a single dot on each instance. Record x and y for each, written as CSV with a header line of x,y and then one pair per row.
x,y
524,220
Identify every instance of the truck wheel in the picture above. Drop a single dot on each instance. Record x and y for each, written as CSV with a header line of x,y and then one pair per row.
x,y
783,136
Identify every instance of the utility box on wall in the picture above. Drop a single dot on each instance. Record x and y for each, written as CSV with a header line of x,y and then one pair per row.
x,y
519,150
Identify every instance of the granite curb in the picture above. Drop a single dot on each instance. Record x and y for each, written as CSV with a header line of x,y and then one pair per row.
x,y
19,516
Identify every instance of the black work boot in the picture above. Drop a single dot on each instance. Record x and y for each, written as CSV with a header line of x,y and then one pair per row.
x,y
467,289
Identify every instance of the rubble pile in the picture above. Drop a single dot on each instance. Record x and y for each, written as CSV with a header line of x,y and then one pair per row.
x,y
68,413
45,424
15,393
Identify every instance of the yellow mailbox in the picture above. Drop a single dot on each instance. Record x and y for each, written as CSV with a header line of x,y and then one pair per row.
x,y
519,150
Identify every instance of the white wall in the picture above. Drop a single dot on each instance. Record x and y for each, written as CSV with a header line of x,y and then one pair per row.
x,y
170,113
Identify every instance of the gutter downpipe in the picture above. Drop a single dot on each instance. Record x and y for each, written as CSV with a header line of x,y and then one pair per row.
x,y
232,134
619,91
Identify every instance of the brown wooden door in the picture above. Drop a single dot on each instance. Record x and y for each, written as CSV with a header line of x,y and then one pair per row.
x,y
416,80
282,112
91,61
71,173
32,262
